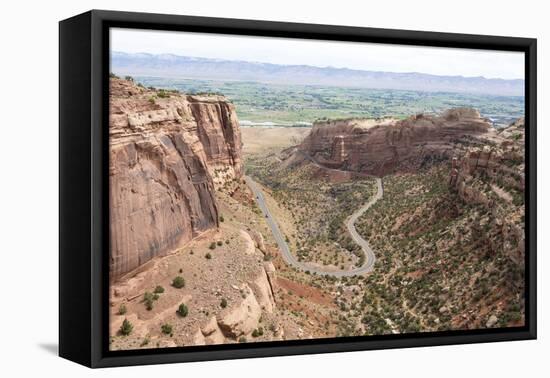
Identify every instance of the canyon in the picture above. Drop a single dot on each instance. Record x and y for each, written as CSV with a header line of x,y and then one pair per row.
x,y
194,261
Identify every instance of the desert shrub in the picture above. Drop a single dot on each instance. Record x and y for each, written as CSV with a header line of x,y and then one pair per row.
x,y
162,94
129,78
220,243
212,245
178,282
126,327
159,290
221,218
242,339
166,329
145,341
258,332
122,309
152,100
148,299
113,76
223,303
208,256
183,310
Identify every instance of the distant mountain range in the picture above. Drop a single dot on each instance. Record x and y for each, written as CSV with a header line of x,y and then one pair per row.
x,y
168,65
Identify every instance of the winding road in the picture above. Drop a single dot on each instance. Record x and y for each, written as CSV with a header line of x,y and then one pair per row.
x,y
370,258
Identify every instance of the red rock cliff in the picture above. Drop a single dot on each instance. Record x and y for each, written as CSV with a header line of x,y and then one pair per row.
x,y
168,152
380,147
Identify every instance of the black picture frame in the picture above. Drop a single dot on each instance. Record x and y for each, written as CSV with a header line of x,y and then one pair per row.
x,y
83,182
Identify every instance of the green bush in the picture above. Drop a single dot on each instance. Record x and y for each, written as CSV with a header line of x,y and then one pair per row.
x,y
148,299
122,309
178,282
162,94
183,310
126,327
159,290
242,339
166,329
258,332
223,303
145,341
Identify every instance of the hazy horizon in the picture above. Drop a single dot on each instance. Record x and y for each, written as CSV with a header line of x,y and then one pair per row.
x,y
304,65
348,55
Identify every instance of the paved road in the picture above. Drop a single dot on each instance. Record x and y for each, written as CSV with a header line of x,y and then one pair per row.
x,y
350,224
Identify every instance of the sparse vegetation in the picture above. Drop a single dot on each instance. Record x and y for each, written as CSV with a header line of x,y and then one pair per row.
x,y
183,310
166,329
148,299
126,328
122,309
146,340
258,332
178,282
159,290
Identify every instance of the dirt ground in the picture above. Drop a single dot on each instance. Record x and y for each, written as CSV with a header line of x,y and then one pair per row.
x,y
270,139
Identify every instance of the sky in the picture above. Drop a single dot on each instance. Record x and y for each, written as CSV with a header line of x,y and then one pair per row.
x,y
353,55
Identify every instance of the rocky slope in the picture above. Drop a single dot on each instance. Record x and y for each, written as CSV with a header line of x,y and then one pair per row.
x,y
493,176
381,147
228,295
168,153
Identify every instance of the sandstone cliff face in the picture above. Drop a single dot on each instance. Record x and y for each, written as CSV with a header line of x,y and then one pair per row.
x,y
168,152
385,146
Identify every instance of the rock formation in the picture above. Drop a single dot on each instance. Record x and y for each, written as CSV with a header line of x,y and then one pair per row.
x,y
168,153
380,147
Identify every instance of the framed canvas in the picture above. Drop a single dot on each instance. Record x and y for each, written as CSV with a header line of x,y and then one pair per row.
x,y
235,188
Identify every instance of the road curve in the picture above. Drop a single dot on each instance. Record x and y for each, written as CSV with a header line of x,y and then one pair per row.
x,y
370,257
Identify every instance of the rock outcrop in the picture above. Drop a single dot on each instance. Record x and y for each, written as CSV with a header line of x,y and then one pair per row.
x,y
168,153
380,147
